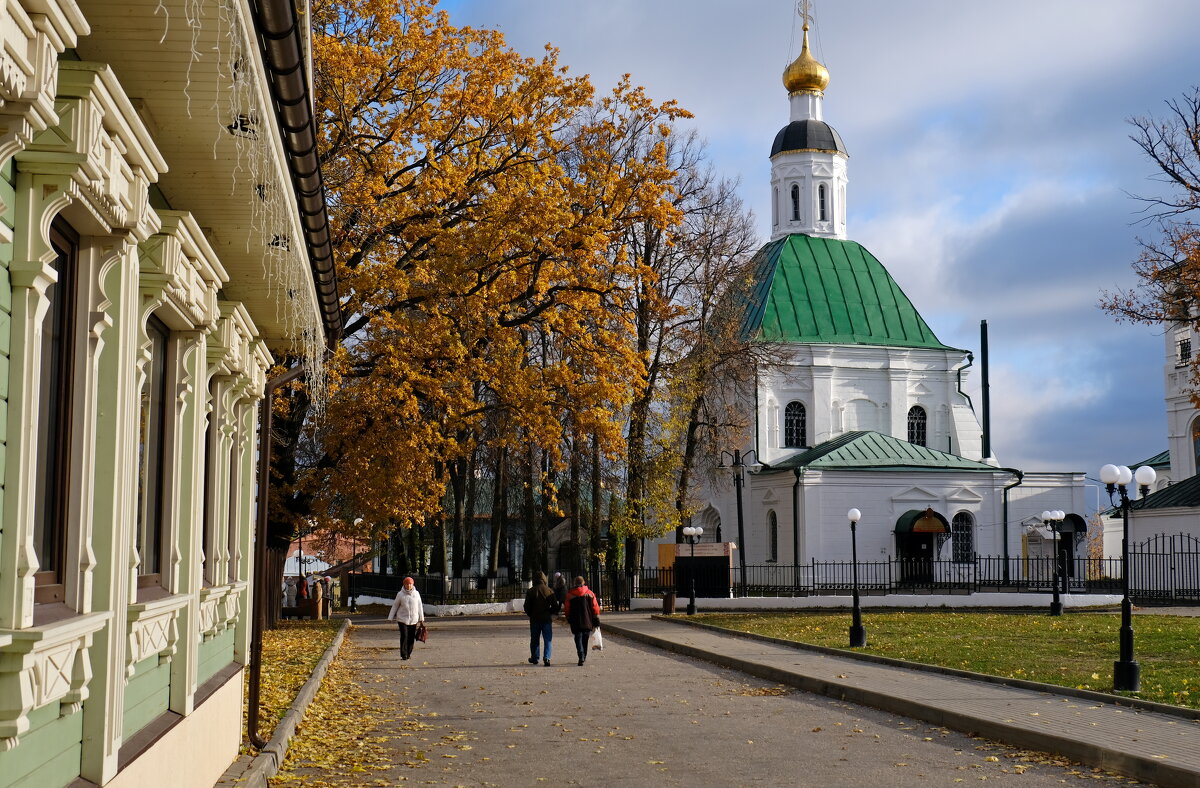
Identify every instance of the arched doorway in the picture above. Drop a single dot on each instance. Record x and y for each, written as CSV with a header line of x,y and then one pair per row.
x,y
917,533
1071,534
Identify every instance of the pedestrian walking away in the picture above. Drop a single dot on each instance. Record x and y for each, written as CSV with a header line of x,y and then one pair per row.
x,y
583,614
540,606
409,613
560,589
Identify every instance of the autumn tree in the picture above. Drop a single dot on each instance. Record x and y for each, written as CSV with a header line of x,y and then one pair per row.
x,y
1168,267
474,195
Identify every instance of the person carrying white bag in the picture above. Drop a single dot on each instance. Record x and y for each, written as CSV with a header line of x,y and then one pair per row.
x,y
583,614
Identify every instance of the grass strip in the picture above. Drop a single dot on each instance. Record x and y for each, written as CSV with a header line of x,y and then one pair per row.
x,y
1075,650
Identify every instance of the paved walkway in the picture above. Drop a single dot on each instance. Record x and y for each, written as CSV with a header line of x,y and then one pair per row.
x,y
1161,748
639,715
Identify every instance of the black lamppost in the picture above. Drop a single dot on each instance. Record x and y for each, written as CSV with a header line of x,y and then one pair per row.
x,y
692,533
1053,520
1127,674
858,635
739,466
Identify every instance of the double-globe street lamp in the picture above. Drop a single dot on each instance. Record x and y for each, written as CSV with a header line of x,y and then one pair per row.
x,y
692,533
1127,675
1053,520
858,635
739,466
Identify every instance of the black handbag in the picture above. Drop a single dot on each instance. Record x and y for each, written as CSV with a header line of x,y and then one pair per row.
x,y
422,632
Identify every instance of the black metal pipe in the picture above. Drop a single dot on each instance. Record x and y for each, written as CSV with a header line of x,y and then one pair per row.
x,y
279,36
260,598
987,397
799,473
1004,517
739,475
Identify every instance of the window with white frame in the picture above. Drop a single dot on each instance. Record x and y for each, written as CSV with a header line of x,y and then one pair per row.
x,y
822,210
795,425
52,475
917,425
772,537
795,203
152,461
962,531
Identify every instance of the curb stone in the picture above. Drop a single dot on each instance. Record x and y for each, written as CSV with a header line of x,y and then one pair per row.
x,y
256,771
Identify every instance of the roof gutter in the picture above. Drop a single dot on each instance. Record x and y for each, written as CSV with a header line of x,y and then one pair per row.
x,y
281,41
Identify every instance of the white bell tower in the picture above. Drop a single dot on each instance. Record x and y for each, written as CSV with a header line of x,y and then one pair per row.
x,y
808,158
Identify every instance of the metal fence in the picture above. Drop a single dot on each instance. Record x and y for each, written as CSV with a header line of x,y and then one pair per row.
x,y
1163,569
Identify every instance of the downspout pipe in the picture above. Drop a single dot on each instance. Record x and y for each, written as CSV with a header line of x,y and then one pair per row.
x,y
260,599
281,42
1020,478
797,483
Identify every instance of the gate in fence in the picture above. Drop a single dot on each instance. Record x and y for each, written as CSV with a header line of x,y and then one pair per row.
x,y
1165,569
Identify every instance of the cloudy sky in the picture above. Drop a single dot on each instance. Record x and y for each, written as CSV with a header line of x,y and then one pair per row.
x,y
990,168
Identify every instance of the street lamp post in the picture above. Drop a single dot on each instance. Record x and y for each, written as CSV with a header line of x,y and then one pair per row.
x,y
692,533
1053,520
1127,674
739,474
858,635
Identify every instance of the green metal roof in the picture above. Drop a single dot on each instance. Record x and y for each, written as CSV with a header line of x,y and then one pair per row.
x,y
1180,494
824,291
874,451
1160,460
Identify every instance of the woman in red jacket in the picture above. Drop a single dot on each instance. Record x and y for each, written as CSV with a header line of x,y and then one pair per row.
x,y
583,614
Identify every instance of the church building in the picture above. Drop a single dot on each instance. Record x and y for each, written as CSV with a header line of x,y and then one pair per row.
x,y
867,409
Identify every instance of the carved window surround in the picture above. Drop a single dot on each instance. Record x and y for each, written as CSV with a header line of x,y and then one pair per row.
x,y
44,665
29,48
179,269
220,608
154,629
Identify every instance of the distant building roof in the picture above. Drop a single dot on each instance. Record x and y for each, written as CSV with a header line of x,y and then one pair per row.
x,y
1180,494
874,451
1160,460
824,291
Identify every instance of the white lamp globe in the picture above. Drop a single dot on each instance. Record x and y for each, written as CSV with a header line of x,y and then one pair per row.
x,y
854,515
1145,476
1047,515
1125,475
698,530
1109,474
688,530
1059,514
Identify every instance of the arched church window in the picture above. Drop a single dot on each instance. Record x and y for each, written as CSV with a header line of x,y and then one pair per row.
x,y
795,203
795,426
772,537
1196,441
917,425
775,207
821,210
962,532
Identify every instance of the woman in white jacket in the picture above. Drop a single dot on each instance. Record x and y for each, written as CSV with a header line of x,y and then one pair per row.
x,y
408,612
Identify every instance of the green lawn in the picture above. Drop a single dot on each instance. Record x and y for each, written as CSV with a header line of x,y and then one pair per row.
x,y
1075,650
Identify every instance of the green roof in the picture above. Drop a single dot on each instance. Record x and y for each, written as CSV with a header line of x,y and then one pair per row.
x,y
1185,493
874,451
824,291
1160,460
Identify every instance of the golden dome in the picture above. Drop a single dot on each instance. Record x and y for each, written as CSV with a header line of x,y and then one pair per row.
x,y
806,74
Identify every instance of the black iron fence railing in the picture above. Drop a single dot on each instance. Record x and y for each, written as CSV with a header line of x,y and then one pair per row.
x,y
1163,569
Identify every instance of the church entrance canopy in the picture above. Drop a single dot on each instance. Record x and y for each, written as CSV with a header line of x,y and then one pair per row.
x,y
922,521
916,532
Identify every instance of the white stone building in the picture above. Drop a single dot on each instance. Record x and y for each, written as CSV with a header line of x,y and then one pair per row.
x,y
867,410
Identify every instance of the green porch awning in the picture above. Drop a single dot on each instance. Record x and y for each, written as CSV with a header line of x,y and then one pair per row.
x,y
922,521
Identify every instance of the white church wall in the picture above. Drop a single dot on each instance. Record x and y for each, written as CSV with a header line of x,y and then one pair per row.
x,y
844,389
1180,347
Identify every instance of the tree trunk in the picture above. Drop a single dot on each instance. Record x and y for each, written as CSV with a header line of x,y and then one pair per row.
x,y
499,513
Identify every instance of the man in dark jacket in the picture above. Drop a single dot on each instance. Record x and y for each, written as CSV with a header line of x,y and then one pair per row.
x,y
540,606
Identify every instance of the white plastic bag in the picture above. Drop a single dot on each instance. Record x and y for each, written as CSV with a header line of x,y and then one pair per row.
x,y
596,641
